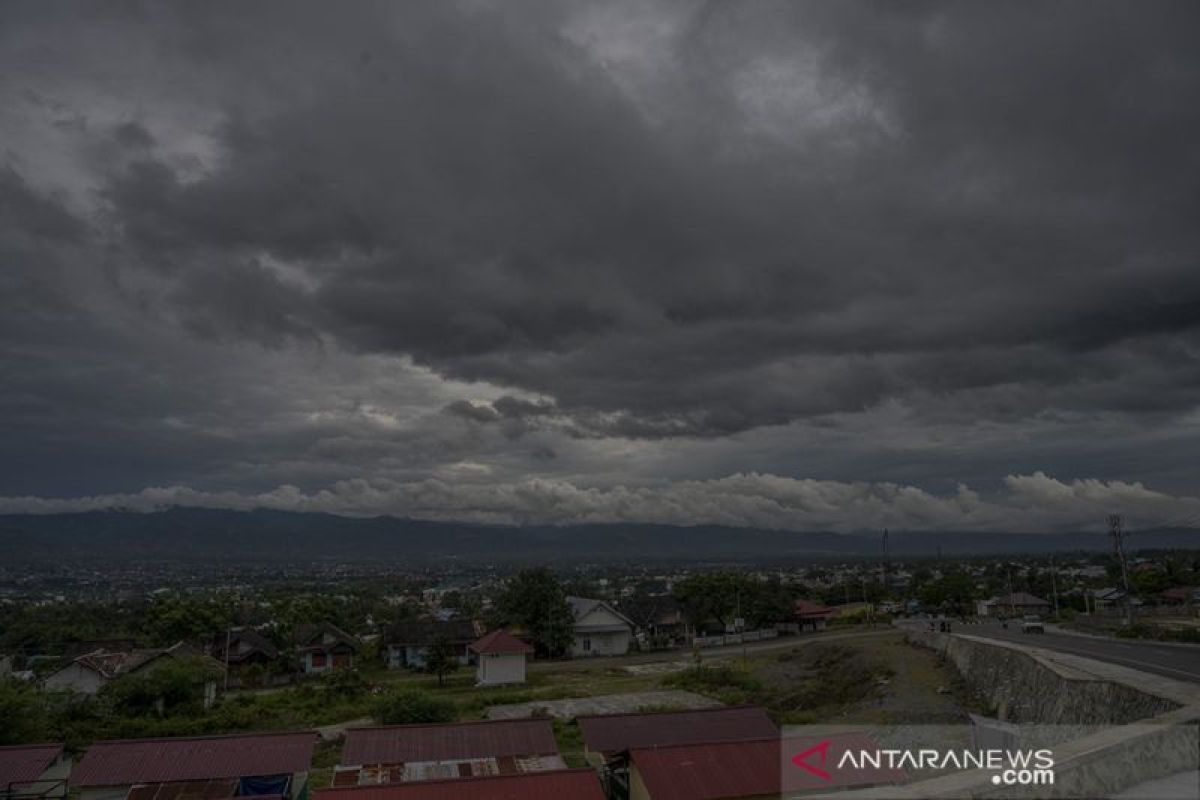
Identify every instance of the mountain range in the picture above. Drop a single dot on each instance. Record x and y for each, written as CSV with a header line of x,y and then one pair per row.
x,y
195,534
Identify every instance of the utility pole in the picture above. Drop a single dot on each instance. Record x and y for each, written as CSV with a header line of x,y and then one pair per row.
x,y
1054,585
1012,602
1117,531
228,637
885,561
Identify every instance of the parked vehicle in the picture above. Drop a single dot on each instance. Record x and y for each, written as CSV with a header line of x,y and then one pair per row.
x,y
1032,624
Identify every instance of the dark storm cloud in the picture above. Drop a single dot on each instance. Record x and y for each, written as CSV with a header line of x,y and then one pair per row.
x,y
468,187
597,225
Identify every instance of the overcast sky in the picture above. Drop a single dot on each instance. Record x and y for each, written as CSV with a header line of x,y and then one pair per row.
x,y
801,265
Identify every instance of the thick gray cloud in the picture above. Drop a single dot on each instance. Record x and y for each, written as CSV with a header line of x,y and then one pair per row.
x,y
599,245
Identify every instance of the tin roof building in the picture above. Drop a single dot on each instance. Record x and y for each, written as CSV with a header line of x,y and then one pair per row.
x,y
196,767
404,753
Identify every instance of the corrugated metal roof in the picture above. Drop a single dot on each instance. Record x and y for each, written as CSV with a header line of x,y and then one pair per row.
x,y
610,733
727,770
501,641
119,763
710,771
26,762
400,744
572,784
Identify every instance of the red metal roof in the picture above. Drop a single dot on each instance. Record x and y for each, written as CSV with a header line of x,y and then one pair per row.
x,y
611,733
501,641
400,744
727,770
119,763
564,784
710,771
807,608
26,762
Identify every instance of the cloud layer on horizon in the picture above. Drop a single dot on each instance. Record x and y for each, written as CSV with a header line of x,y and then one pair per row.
x,y
1027,503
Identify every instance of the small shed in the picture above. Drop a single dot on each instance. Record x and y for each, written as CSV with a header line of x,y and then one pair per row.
x,y
501,659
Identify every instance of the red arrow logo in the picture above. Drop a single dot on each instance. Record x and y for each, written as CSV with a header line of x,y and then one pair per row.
x,y
801,760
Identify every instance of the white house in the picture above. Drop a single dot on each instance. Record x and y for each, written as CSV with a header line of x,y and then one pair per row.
x,y
501,659
600,630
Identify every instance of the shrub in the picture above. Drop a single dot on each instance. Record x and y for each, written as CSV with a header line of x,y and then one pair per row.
x,y
412,705
700,679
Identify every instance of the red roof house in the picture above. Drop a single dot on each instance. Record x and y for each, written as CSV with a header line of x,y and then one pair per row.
x,y
810,615
279,759
501,658
572,784
400,753
38,770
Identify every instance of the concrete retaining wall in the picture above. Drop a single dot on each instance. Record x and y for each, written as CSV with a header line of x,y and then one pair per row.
x,y
1023,688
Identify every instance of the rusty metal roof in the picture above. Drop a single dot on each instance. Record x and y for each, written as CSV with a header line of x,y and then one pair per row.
x,y
566,784
26,762
611,733
124,762
400,744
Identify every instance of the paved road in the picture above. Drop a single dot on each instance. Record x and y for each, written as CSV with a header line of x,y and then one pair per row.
x,y
1181,662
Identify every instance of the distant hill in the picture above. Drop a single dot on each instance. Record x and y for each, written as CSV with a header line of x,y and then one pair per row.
x,y
183,534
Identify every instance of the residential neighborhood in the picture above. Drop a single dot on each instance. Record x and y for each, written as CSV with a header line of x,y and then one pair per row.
x,y
506,676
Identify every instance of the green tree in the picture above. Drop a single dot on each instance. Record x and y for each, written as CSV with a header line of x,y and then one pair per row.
x,y
174,687
174,619
441,659
23,712
406,706
713,596
535,600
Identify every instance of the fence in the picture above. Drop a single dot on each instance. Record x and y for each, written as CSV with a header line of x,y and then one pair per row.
x,y
735,638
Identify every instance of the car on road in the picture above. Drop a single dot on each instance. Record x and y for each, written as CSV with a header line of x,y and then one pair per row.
x,y
1031,624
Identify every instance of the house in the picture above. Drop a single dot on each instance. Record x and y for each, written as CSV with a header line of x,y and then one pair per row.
x,y
244,651
197,766
407,643
607,735
405,753
806,616
755,768
1017,604
501,658
34,771
600,630
324,647
564,784
658,619
88,673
